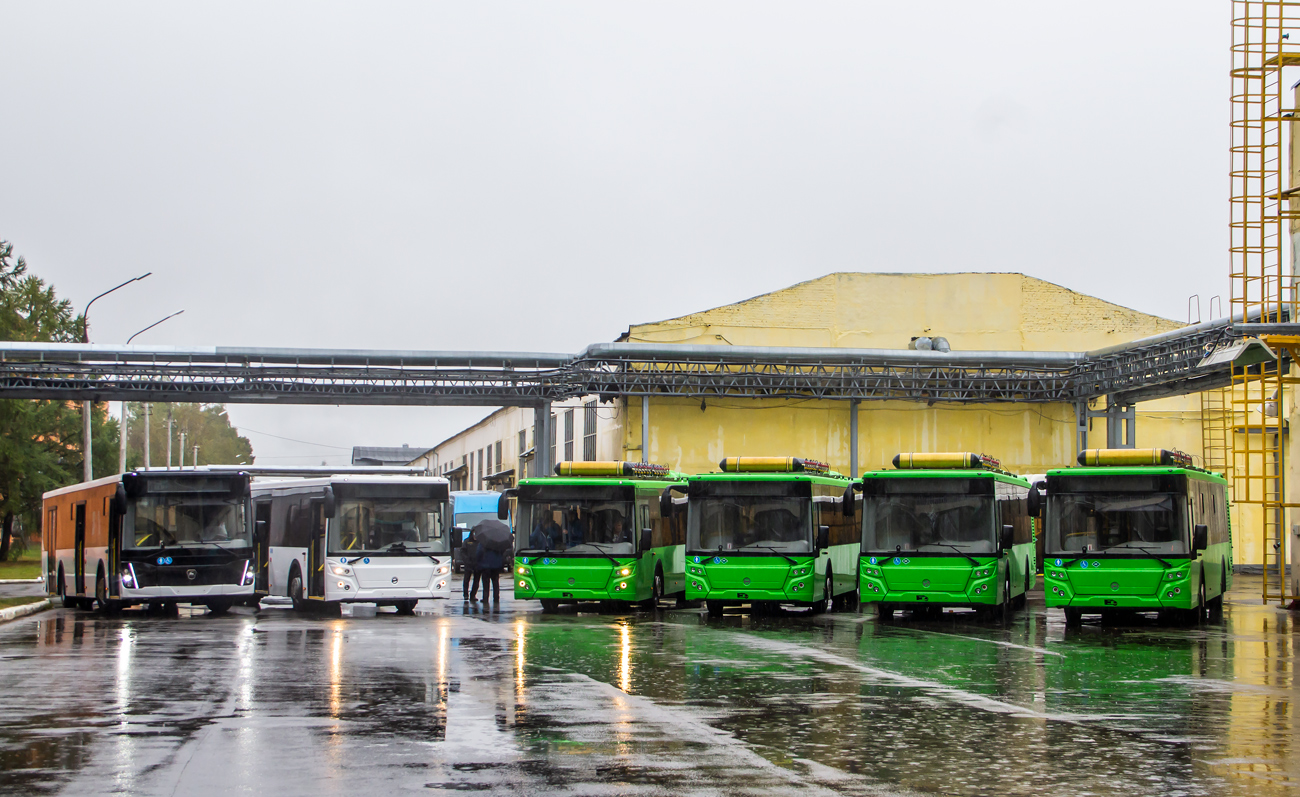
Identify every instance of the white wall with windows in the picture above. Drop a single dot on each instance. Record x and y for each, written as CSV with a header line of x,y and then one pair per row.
x,y
494,453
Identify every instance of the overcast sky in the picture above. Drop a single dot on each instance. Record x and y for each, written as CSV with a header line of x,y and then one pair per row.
x,y
537,176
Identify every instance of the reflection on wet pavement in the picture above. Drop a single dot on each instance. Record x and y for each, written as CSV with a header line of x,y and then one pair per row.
x,y
514,701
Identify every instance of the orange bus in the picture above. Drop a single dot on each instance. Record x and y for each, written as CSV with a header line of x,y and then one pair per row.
x,y
151,537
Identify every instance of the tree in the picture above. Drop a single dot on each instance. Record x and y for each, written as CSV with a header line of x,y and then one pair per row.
x,y
205,425
40,441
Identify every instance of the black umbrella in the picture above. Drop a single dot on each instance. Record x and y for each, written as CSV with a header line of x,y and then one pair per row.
x,y
493,535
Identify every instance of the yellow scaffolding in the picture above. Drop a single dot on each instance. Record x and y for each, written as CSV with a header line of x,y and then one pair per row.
x,y
1265,40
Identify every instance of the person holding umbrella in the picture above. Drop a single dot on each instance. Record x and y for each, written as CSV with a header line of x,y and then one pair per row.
x,y
494,540
469,556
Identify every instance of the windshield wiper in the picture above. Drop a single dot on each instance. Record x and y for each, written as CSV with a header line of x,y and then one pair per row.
x,y
596,545
787,556
1145,549
972,559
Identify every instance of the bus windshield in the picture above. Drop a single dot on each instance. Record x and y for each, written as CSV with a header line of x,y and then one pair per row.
x,y
749,522
186,519
388,524
577,526
1115,523
928,515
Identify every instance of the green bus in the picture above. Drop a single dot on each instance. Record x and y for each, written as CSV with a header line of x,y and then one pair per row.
x,y
1137,530
946,530
594,532
767,531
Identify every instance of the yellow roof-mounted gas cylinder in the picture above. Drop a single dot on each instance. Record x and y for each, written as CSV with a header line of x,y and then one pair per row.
x,y
920,461
1135,456
636,470
772,465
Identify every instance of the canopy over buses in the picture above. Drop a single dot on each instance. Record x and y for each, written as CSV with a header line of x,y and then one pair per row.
x,y
595,532
946,530
1137,530
768,531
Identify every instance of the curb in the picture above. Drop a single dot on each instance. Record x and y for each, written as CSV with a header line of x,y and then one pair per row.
x,y
36,580
14,612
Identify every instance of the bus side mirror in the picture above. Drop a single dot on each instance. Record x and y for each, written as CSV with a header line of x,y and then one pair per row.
x,y
823,537
119,499
259,529
503,507
643,544
666,503
331,504
454,539
850,503
1200,538
1008,536
1035,502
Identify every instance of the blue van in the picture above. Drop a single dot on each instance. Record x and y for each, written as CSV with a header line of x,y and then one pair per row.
x,y
468,507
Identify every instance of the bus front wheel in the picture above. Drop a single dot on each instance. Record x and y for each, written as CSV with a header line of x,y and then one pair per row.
x,y
405,607
827,603
715,608
550,605
884,613
295,590
1073,617
106,605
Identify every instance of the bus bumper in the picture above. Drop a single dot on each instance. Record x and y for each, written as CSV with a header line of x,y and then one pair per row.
x,y
187,594
382,596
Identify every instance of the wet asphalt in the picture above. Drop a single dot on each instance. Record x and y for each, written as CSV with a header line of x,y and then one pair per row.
x,y
502,699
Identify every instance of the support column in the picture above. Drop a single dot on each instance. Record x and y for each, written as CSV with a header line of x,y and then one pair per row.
x,y
645,428
542,465
121,448
146,436
87,468
853,438
1081,416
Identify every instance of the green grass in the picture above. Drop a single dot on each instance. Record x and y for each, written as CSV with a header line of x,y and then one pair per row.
x,y
5,603
23,568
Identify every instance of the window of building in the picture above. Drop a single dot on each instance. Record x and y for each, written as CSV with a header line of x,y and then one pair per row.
x,y
500,467
480,469
568,434
589,431
552,441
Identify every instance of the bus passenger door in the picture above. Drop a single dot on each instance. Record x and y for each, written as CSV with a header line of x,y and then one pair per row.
x,y
114,546
79,549
646,569
51,550
261,546
316,552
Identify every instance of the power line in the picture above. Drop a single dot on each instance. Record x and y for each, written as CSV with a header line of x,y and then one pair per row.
x,y
292,440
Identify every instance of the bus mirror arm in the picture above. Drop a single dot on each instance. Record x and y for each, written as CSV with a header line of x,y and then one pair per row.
x,y
1200,538
850,503
1008,536
643,544
1035,502
503,505
823,537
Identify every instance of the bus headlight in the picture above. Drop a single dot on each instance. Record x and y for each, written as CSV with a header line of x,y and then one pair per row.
x,y
444,570
250,575
128,577
523,571
621,585
627,571
523,585
340,570
442,584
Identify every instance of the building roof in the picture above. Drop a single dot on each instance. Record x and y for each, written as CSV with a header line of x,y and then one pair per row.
x,y
385,455
975,311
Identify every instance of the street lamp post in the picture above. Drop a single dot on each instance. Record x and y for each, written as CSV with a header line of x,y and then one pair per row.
x,y
121,451
87,468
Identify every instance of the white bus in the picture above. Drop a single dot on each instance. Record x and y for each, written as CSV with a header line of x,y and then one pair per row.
x,y
353,539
